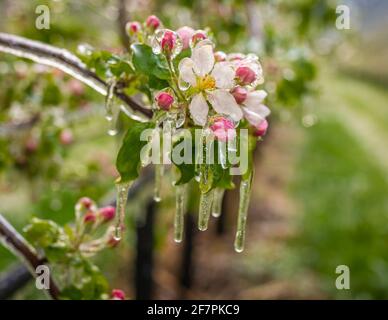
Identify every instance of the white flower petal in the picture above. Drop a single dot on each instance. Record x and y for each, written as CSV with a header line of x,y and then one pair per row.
x,y
203,58
223,102
255,98
199,109
186,71
223,73
255,115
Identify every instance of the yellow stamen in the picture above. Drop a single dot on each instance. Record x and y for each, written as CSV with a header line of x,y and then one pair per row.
x,y
206,83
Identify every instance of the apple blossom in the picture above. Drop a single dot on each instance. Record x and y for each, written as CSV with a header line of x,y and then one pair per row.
x,y
153,22
89,217
164,100
240,94
118,294
107,213
133,27
66,137
212,82
223,129
185,33
261,129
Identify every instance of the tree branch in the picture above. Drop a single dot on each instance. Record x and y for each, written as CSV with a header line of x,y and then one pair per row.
x,y
65,61
15,242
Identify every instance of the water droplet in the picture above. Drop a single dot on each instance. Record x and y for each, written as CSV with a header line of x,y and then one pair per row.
x,y
245,193
217,202
180,118
205,207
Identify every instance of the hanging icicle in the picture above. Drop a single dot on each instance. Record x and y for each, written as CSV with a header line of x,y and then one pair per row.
x,y
205,207
159,173
245,193
180,208
109,99
121,202
112,131
217,202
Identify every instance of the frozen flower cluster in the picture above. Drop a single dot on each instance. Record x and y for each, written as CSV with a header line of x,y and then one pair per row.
x,y
214,89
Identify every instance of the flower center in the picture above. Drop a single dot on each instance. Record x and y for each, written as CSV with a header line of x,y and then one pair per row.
x,y
206,83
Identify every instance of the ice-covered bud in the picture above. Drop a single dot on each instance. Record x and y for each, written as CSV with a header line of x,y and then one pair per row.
x,y
261,129
223,129
168,42
112,242
185,33
86,202
118,294
164,100
245,75
32,144
153,22
66,137
89,217
220,56
107,213
239,94
76,87
132,27
198,36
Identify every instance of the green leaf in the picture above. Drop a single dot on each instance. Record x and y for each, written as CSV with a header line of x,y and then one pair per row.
x,y
42,233
148,63
128,158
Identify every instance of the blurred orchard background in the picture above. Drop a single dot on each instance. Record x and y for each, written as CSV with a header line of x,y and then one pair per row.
x,y
320,194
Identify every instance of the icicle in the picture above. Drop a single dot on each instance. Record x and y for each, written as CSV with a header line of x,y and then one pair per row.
x,y
109,99
245,193
180,208
159,172
204,160
205,207
217,202
180,118
222,152
112,131
121,202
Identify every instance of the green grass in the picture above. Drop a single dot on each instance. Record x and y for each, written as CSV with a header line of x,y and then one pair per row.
x,y
343,193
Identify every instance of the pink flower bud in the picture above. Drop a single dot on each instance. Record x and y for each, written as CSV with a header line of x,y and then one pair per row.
x,y
66,137
118,294
246,75
220,56
132,27
112,242
76,87
185,33
197,37
164,100
168,42
89,217
153,22
223,129
32,144
86,202
108,213
261,130
240,94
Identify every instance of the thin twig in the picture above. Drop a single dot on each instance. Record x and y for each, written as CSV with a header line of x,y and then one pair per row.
x,y
15,242
63,60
